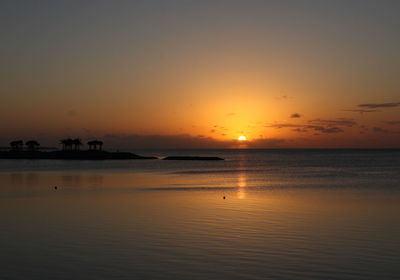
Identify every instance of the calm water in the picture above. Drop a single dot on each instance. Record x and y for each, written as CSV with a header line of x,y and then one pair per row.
x,y
288,214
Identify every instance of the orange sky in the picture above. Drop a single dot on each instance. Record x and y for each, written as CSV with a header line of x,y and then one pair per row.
x,y
161,75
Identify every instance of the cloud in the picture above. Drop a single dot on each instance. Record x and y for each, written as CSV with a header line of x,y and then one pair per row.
x,y
302,128
336,122
362,111
380,130
371,107
284,125
383,130
318,125
392,122
283,97
379,105
327,129
295,116
218,127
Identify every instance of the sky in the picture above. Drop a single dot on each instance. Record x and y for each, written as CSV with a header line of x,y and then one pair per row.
x,y
199,74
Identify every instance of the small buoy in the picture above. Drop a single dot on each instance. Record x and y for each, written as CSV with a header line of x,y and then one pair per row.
x,y
55,187
224,197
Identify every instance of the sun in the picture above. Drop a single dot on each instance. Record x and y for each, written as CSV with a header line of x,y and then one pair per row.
x,y
242,138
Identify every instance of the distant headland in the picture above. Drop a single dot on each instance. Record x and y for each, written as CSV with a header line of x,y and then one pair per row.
x,y
192,158
71,150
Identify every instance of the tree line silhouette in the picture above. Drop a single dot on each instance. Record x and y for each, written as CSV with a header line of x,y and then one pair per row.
x,y
68,144
17,145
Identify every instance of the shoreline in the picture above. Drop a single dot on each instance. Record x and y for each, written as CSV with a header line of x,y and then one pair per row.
x,y
91,155
71,155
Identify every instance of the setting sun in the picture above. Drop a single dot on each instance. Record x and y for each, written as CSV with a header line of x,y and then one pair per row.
x,y
242,138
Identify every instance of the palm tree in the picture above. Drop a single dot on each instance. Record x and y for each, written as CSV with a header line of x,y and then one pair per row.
x,y
100,143
62,142
77,143
32,145
93,144
67,144
16,145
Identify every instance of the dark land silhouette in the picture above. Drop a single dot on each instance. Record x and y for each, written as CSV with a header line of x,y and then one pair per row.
x,y
192,158
71,150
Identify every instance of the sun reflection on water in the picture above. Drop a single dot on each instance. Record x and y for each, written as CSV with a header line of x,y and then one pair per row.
x,y
242,178
242,184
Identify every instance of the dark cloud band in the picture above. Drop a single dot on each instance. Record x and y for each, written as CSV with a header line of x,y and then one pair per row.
x,y
379,105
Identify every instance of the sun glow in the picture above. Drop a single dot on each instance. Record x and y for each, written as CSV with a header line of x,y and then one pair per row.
x,y
242,138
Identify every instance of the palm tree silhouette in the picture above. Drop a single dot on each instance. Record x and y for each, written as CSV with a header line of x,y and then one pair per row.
x,y
77,143
93,145
32,145
16,145
67,144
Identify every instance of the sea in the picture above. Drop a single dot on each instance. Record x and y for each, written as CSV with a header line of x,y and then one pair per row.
x,y
259,214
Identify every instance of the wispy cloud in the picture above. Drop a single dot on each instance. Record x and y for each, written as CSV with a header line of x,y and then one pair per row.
x,y
384,130
362,111
372,107
283,125
306,128
317,125
379,105
380,130
283,97
392,122
327,129
336,122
